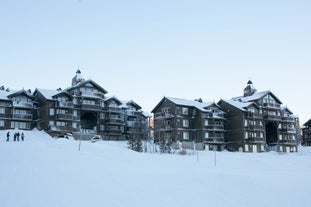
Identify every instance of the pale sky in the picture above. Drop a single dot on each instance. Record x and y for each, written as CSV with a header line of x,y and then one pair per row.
x,y
144,50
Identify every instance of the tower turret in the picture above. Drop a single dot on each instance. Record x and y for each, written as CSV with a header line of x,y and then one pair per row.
x,y
250,89
77,79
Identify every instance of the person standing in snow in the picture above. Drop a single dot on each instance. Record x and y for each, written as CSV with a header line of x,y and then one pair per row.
x,y
7,136
14,137
22,136
17,136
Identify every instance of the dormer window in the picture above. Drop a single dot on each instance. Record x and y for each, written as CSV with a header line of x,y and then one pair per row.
x,y
185,110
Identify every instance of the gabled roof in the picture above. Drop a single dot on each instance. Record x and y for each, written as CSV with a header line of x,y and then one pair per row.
x,y
85,82
133,103
256,96
308,123
4,94
184,102
115,99
287,109
26,93
47,93
239,105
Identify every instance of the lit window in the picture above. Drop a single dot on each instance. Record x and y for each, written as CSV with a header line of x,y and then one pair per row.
x,y
185,135
185,110
185,123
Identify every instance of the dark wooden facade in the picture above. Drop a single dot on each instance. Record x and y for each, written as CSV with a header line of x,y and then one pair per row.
x,y
84,110
256,122
18,110
190,122
306,131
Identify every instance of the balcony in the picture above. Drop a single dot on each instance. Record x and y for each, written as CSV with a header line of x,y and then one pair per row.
x,y
95,107
65,104
256,140
22,116
255,127
288,130
215,116
163,115
132,123
273,117
64,116
114,121
133,113
253,115
90,94
22,104
214,127
113,109
288,142
289,119
271,105
114,130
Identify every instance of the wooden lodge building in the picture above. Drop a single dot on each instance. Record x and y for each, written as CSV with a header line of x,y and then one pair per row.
x,y
83,109
306,131
256,122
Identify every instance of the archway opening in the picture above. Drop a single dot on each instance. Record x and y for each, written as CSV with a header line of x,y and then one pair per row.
x,y
271,134
88,120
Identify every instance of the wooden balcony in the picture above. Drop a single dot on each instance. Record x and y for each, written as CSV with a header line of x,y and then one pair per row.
x,y
252,115
115,121
95,107
288,130
61,128
90,94
255,127
22,104
113,109
273,117
214,127
288,142
64,104
289,119
255,140
64,116
214,140
163,115
22,116
272,105
133,113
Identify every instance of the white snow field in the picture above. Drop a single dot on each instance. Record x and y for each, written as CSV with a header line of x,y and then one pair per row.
x,y
47,172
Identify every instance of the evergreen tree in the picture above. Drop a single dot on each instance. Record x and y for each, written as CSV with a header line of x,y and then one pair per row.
x,y
138,145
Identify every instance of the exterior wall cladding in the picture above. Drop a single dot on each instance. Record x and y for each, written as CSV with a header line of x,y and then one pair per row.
x,y
82,110
307,134
255,122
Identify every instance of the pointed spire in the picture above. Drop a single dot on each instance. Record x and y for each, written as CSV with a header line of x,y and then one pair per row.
x,y
250,89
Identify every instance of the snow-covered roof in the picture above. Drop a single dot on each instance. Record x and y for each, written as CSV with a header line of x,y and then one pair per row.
x,y
85,82
185,102
255,96
4,94
237,104
47,93
146,114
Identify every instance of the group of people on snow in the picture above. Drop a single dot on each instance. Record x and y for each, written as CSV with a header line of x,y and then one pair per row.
x,y
16,136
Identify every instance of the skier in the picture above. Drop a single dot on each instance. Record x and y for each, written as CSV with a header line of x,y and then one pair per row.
x,y
8,136
22,136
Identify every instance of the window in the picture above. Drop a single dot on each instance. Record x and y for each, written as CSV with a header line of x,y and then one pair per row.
x,y
75,113
1,123
206,123
246,135
245,122
61,123
206,135
2,110
51,123
52,112
20,125
246,148
185,135
74,125
185,123
185,110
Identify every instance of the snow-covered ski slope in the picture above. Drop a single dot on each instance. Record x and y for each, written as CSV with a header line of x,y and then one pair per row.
x,y
47,172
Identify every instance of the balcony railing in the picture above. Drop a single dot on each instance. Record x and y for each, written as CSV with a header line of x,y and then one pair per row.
x,y
133,113
256,140
114,121
65,104
92,94
113,109
22,116
215,116
289,119
163,115
273,117
64,116
288,141
271,105
214,127
90,106
23,104
254,127
288,130
254,115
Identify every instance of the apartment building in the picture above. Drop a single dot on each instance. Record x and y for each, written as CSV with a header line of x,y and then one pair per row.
x,y
256,122
190,122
